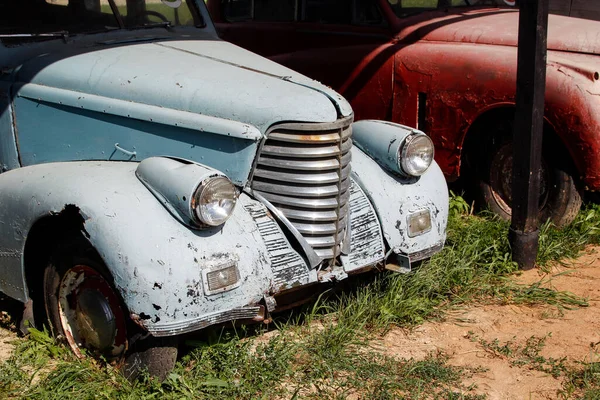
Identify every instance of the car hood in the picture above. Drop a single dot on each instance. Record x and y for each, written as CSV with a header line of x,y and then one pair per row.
x,y
209,77
500,27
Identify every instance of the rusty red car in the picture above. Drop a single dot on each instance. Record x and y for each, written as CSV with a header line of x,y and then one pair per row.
x,y
449,69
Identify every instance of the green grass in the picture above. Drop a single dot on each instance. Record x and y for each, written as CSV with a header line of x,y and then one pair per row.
x,y
296,364
324,350
474,265
526,354
583,382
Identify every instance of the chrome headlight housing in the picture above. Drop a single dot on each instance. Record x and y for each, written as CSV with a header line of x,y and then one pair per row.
x,y
416,154
214,200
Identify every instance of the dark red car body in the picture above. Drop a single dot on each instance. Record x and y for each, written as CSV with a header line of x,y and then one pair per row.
x,y
449,72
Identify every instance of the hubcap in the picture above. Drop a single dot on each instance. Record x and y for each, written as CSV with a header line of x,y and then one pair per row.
x,y
501,179
90,314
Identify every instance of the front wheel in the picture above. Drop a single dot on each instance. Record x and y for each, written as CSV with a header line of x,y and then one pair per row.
x,y
87,313
560,198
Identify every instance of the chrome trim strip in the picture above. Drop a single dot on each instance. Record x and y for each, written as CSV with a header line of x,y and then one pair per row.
x,y
321,241
315,216
331,215
317,191
320,126
181,327
316,229
423,254
315,203
314,138
326,254
300,152
309,179
298,165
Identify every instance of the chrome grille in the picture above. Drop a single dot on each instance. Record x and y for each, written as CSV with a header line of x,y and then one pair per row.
x,y
304,171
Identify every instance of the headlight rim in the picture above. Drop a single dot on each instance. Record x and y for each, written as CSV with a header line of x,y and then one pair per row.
x,y
196,198
403,150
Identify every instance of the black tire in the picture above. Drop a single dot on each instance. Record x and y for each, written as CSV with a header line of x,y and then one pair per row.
x,y
560,197
156,357
87,313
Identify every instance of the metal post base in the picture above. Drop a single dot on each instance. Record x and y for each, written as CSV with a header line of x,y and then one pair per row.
x,y
524,247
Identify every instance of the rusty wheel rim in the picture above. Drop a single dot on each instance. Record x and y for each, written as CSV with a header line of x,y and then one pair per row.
x,y
501,180
90,314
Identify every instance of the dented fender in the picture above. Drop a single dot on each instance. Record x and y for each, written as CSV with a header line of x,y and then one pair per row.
x,y
158,265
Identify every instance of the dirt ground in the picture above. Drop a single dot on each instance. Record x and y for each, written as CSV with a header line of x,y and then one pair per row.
x,y
571,333
5,346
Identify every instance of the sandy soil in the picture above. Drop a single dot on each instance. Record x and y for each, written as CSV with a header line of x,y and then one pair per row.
x,y
574,334
6,336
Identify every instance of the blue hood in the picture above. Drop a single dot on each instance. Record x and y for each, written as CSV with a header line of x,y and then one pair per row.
x,y
208,77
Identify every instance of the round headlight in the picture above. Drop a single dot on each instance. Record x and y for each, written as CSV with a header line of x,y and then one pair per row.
x,y
215,200
416,155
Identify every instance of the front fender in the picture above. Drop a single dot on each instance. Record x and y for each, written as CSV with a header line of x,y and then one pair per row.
x,y
395,199
382,141
156,262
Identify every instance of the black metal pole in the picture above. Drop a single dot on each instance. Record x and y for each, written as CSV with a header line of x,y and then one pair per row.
x,y
527,134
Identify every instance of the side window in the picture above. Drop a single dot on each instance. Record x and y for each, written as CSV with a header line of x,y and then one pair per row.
x,y
345,12
358,12
366,12
327,11
237,10
274,10
415,3
407,7
259,10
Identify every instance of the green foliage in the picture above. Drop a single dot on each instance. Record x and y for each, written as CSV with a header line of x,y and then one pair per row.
x,y
566,243
458,206
527,354
583,382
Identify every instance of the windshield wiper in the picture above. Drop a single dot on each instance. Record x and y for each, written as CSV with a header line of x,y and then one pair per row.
x,y
62,34
166,24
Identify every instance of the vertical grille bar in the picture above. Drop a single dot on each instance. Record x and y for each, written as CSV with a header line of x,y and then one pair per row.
x,y
304,171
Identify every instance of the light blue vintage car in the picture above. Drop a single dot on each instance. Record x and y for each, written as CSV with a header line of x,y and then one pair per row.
x,y
157,180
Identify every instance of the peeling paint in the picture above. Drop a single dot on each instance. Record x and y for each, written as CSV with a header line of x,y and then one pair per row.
x,y
162,274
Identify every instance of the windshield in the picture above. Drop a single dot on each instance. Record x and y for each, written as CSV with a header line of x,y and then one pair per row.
x,y
50,18
403,8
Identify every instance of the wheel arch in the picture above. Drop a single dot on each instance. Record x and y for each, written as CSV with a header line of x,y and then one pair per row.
x,y
476,136
44,236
